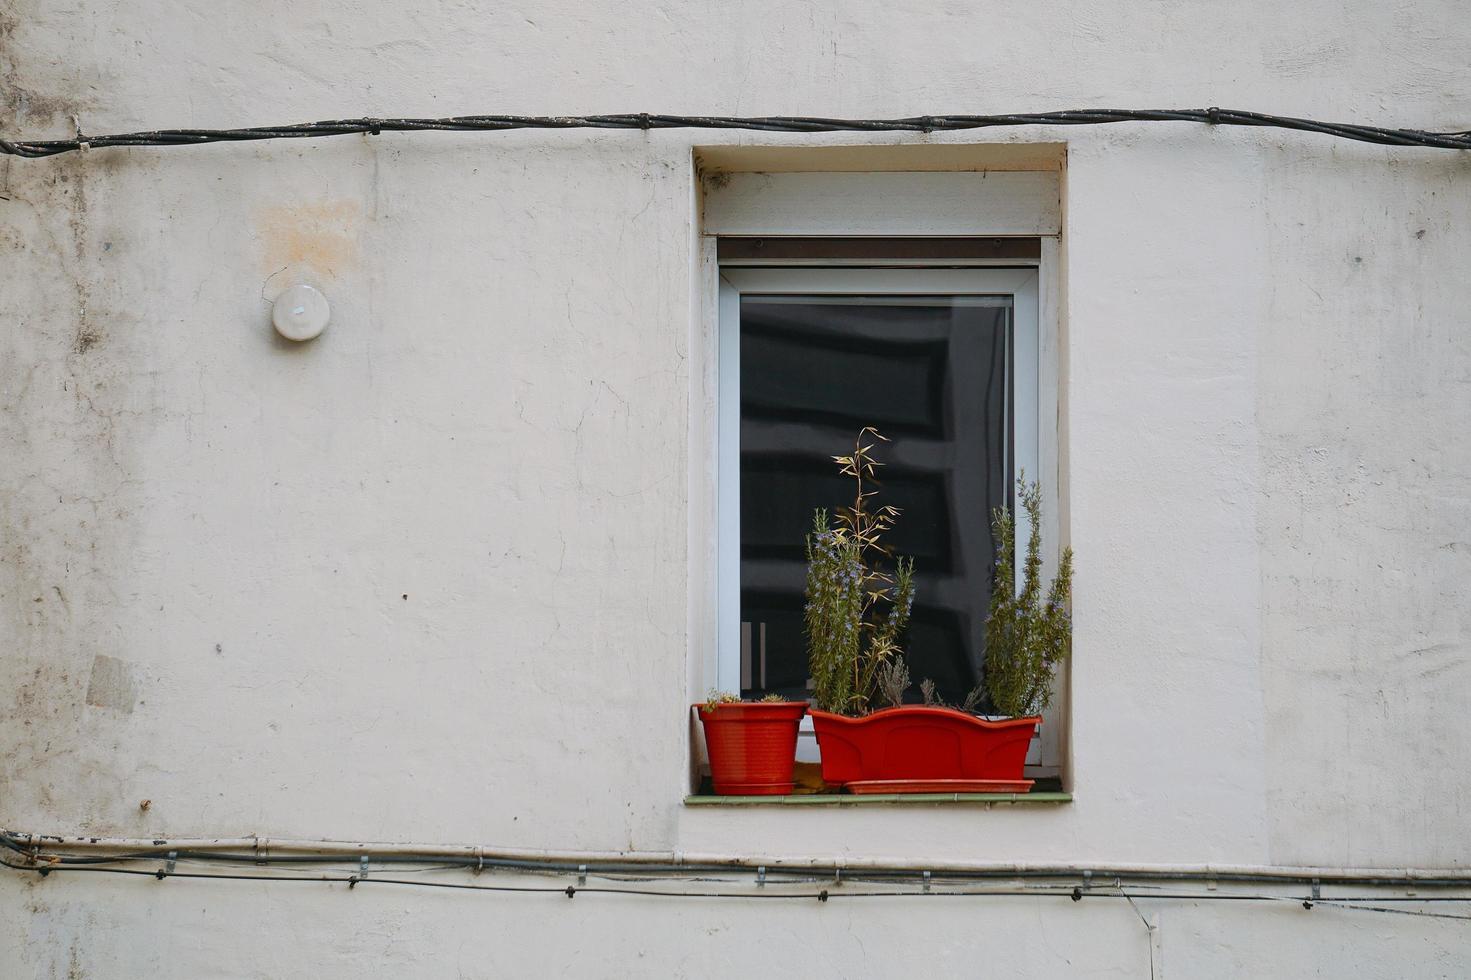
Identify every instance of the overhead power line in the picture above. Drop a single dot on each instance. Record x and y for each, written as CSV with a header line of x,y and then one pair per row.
x,y
766,124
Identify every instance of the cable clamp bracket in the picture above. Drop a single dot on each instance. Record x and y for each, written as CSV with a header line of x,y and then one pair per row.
x,y
479,859
582,876
168,865
926,882
1316,895
362,867
761,876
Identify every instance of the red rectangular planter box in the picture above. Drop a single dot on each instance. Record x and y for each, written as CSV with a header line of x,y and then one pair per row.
x,y
914,742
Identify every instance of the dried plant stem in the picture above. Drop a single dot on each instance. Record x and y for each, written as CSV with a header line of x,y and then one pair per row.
x,y
849,641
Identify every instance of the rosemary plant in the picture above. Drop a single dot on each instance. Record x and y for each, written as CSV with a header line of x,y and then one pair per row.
x,y
856,610
1027,636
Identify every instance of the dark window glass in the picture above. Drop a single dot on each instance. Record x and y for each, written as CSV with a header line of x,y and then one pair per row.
x,y
932,374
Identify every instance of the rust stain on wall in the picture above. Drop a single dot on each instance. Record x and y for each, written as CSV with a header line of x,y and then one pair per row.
x,y
322,236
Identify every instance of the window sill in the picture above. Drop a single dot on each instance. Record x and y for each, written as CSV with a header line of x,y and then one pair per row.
x,y
881,799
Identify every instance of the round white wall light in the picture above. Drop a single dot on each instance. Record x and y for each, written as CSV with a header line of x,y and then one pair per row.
x,y
300,313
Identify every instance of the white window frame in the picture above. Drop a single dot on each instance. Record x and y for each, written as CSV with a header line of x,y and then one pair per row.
x,y
1033,403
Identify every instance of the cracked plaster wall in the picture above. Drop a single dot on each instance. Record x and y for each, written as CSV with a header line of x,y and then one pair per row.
x,y
426,578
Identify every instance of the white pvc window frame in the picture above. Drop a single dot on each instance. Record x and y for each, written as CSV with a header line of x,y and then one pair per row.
x,y
1033,395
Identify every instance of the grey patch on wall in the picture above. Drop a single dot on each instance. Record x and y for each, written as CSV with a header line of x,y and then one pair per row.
x,y
111,684
20,104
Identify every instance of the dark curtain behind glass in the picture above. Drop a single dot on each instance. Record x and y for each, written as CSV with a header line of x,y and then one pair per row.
x,y
931,374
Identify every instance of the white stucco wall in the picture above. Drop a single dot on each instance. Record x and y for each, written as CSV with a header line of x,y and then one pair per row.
x,y
428,578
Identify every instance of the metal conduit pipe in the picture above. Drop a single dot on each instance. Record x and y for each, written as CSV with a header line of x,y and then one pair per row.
x,y
43,849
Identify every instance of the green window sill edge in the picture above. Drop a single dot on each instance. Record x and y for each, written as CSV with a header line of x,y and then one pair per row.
x,y
834,799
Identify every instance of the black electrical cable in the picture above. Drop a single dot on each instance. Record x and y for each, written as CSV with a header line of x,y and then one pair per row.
x,y
766,124
22,844
822,895
1092,890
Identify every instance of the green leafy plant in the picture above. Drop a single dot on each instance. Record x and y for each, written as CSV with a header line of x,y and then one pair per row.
x,y
1027,635
930,694
856,609
893,681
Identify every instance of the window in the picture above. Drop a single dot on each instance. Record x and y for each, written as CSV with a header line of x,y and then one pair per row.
x,y
935,343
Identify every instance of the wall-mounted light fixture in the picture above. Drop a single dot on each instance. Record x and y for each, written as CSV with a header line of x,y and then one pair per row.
x,y
300,312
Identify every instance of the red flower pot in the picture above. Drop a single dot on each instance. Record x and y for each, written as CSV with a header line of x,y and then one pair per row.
x,y
752,745
915,743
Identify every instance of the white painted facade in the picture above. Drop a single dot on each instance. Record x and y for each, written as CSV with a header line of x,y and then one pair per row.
x,y
442,574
